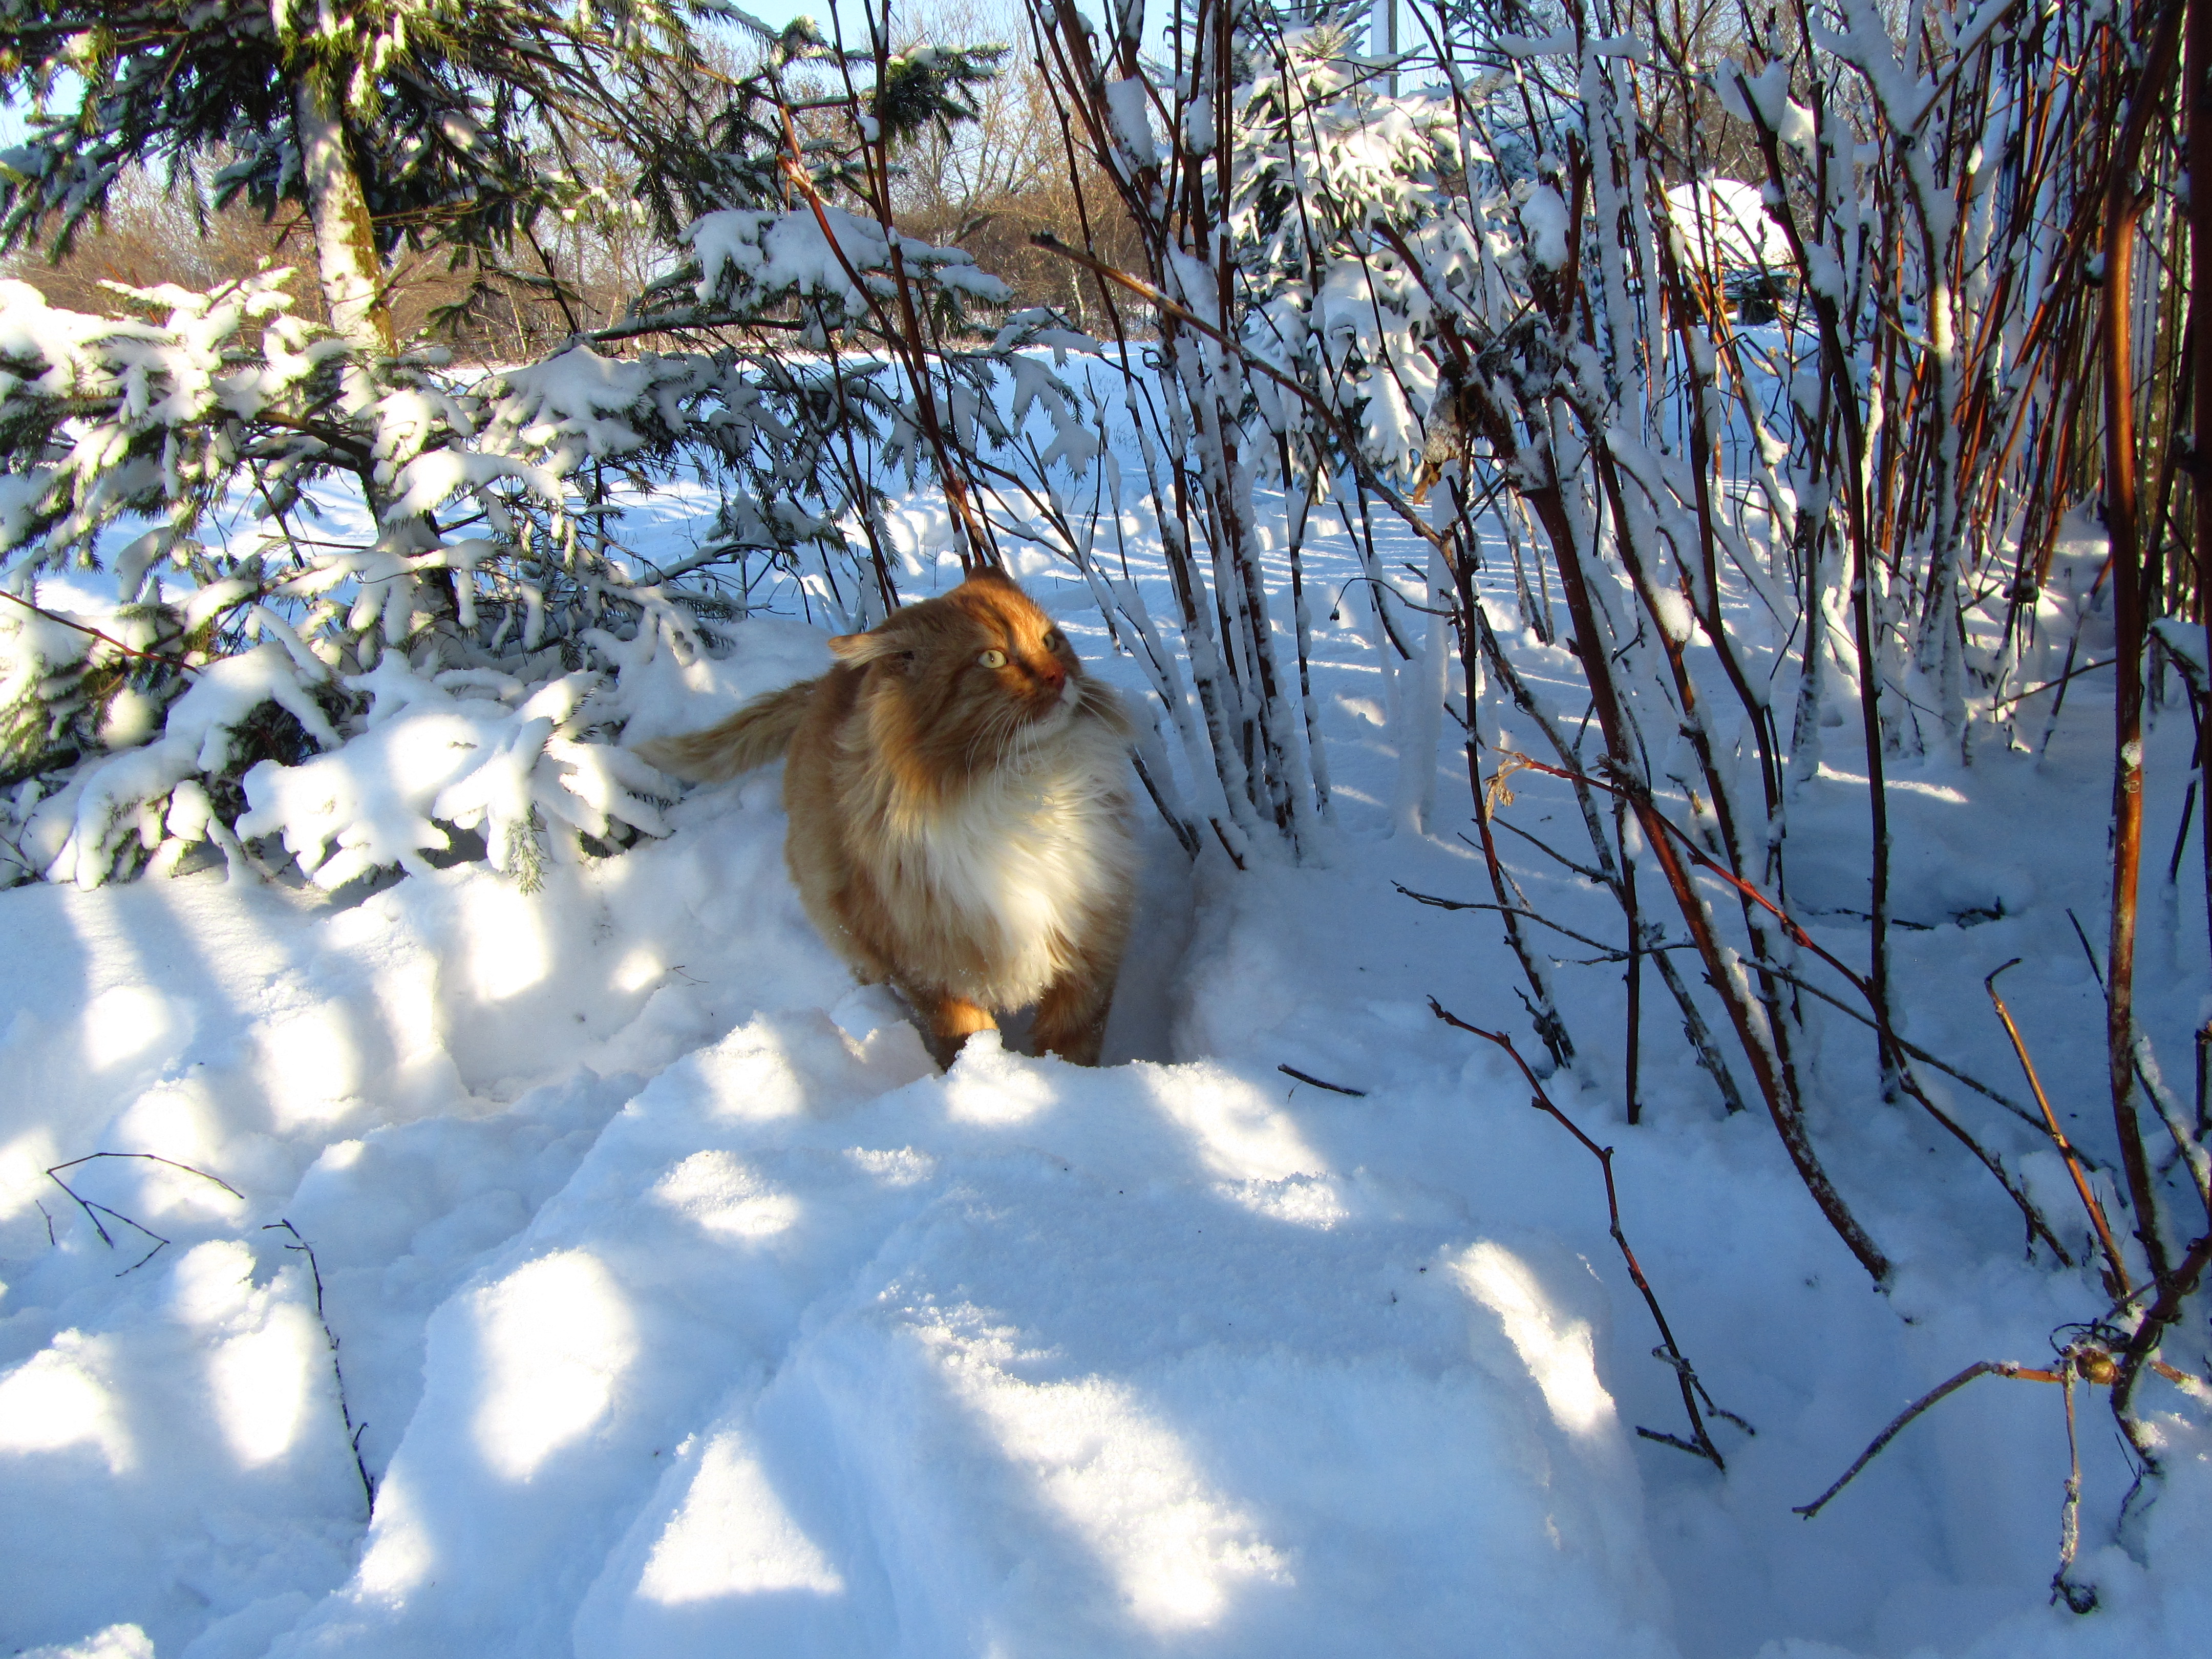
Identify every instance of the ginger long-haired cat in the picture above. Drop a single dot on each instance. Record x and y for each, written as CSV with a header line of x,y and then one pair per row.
x,y
959,819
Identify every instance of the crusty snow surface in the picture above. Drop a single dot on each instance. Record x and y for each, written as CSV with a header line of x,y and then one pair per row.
x,y
684,1309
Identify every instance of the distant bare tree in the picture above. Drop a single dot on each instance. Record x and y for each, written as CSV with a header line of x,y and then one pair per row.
x,y
989,185
154,233
151,234
1009,147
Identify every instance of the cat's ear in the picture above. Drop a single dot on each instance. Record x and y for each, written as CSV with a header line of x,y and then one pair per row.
x,y
859,650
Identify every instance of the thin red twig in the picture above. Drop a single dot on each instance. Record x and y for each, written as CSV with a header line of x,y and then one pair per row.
x,y
1670,1352
2116,1275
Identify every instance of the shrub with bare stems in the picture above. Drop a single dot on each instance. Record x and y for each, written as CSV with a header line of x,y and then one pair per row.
x,y
1976,231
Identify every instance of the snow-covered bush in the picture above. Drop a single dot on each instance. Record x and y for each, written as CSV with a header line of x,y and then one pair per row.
x,y
214,453
1521,282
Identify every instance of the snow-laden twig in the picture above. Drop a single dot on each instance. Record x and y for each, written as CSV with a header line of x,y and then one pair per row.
x,y
1700,1442
94,1211
354,1430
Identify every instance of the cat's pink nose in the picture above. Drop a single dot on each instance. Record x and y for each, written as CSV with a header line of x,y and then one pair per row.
x,y
1052,673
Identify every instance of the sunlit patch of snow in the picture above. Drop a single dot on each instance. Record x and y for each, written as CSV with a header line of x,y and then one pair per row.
x,y
1238,1133
212,1283
904,1167
557,1338
1942,791
990,1088
52,1401
725,1196
511,949
310,1065
260,1383
116,1642
638,969
1120,1479
24,1159
733,1536
1300,1200
122,1021
1558,1351
400,1557
180,1121
750,1076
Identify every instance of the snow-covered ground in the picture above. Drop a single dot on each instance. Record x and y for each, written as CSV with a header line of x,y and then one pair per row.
x,y
681,1307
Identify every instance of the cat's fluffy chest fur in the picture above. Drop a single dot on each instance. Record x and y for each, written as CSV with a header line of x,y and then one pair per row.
x,y
959,813
1016,870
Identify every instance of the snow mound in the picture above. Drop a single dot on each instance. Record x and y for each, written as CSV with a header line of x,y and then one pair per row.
x,y
681,1306
818,1352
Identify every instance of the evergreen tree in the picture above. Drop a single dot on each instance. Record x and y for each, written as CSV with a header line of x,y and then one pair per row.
x,y
491,574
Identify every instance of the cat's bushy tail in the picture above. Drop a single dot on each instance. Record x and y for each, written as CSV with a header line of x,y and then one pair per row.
x,y
757,734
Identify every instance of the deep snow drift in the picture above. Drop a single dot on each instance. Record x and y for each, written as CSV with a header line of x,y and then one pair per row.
x,y
682,1308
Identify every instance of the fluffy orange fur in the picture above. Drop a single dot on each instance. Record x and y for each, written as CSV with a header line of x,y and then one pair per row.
x,y
959,815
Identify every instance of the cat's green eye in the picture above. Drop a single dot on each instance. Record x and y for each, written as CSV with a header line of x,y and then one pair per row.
x,y
993,659
1053,641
